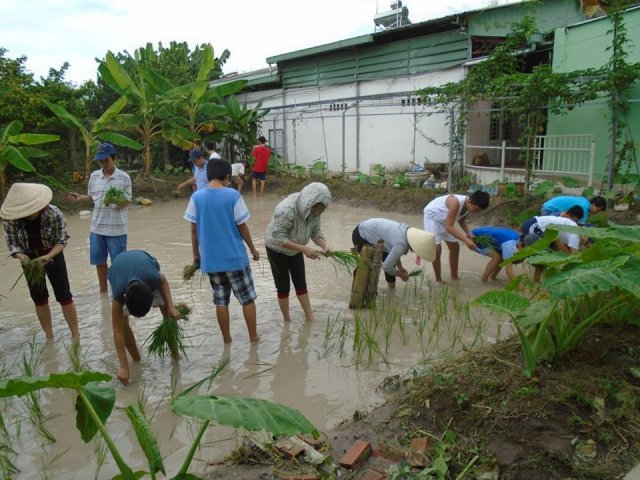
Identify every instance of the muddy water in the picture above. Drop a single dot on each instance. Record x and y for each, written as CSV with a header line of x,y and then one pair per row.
x,y
306,366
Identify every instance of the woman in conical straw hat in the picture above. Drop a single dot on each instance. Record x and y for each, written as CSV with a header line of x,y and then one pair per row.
x,y
398,239
35,230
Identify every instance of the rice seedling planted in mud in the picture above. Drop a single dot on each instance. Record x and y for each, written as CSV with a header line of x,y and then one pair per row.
x,y
114,196
168,337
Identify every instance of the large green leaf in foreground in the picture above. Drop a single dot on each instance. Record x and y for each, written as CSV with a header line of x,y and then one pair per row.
x,y
102,399
244,412
502,302
17,387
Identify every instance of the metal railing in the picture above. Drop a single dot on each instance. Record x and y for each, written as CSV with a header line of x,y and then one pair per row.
x,y
553,154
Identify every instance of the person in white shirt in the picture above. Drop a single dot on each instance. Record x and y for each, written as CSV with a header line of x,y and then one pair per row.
x,y
237,175
567,242
211,150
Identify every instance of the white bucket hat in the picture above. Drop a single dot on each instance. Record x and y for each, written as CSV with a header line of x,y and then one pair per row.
x,y
24,199
423,243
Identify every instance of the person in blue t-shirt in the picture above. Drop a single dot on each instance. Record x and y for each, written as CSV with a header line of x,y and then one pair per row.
x,y
556,205
136,285
498,244
218,217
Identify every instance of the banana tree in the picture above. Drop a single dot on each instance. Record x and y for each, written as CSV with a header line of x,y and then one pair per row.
x,y
240,127
92,136
16,149
197,107
148,103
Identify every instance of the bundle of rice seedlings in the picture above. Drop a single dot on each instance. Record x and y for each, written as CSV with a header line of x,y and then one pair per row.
x,y
168,337
189,271
346,261
483,241
114,195
34,272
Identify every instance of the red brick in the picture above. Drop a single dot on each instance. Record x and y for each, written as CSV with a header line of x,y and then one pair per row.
x,y
358,453
305,476
390,453
371,474
419,445
288,449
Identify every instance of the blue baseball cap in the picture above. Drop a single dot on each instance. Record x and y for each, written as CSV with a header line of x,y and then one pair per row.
x,y
104,151
195,153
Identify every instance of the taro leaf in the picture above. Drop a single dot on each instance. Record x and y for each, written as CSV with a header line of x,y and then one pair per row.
x,y
613,232
17,387
102,398
245,412
537,248
502,302
146,439
553,259
570,182
544,187
535,313
136,475
590,278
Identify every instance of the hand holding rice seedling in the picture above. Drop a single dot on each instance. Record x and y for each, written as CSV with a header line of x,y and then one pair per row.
x,y
35,271
415,273
189,271
115,196
168,337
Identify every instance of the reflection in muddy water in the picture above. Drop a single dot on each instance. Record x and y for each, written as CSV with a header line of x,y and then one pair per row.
x,y
327,369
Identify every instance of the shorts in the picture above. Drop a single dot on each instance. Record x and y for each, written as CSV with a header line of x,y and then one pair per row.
x,y
158,301
434,227
260,175
240,281
101,246
56,271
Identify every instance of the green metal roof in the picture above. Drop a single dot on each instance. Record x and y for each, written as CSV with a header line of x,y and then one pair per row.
x,y
329,47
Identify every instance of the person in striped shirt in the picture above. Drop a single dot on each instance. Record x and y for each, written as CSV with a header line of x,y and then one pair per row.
x,y
108,231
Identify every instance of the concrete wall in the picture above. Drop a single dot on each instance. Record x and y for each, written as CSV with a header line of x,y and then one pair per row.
x,y
353,126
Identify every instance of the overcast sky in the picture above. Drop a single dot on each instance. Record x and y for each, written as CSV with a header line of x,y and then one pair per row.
x,y
50,32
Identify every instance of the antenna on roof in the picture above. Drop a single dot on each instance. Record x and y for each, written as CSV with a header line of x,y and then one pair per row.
x,y
397,17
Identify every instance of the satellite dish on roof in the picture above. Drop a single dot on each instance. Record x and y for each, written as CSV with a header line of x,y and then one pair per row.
x,y
397,17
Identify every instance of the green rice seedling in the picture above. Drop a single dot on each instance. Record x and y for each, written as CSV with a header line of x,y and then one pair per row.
x,y
78,362
483,241
100,449
34,271
168,337
345,261
47,467
113,195
416,273
30,364
344,334
189,271
7,467
329,332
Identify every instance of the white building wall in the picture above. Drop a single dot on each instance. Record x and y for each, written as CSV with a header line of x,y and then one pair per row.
x,y
351,127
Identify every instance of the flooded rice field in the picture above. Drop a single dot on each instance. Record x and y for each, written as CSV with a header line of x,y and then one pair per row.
x,y
327,369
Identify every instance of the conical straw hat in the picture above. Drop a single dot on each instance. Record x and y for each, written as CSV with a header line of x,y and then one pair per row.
x,y
24,199
423,243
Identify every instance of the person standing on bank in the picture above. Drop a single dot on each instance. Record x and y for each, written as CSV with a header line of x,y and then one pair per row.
x,y
108,231
295,221
261,154
35,230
